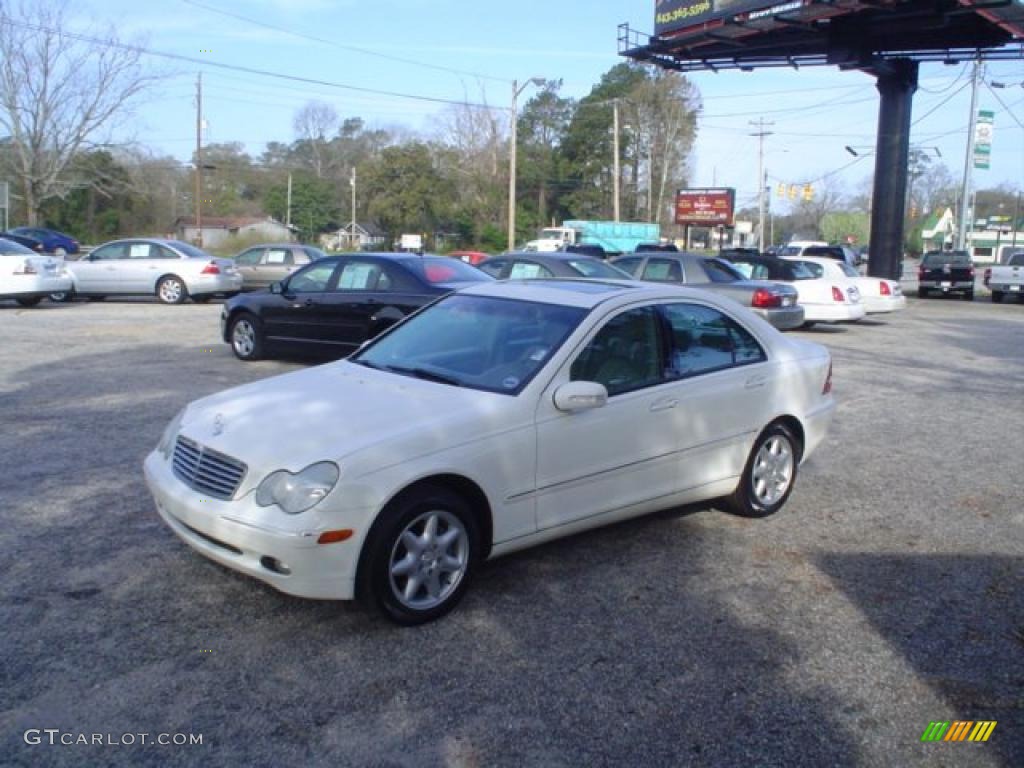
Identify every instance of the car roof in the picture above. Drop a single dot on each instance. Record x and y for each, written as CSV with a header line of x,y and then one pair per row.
x,y
813,259
541,255
583,292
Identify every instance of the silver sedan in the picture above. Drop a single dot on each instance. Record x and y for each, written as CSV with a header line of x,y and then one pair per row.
x,y
169,269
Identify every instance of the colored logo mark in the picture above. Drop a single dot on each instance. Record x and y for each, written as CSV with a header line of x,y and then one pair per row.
x,y
959,730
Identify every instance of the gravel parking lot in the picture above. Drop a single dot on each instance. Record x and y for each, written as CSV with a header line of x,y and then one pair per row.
x,y
888,593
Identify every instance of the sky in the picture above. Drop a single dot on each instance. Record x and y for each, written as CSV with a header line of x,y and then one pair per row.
x,y
457,50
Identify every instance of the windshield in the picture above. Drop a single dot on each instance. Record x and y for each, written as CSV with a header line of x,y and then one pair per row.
x,y
444,269
595,268
493,344
945,257
190,250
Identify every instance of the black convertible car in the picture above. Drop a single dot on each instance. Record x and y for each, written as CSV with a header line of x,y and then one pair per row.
x,y
335,304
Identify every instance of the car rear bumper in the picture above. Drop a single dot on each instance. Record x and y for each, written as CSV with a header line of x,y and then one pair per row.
x,y
947,286
783,318
816,424
29,286
878,304
204,284
834,313
318,571
1006,287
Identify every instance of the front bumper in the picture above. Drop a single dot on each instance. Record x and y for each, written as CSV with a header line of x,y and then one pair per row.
x,y
783,318
219,531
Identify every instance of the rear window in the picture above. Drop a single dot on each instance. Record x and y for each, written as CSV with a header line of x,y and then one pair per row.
x,y
189,250
445,270
827,252
848,270
595,268
933,258
1016,260
11,247
721,272
790,250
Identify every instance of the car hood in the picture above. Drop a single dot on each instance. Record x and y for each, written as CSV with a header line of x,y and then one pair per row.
x,y
332,411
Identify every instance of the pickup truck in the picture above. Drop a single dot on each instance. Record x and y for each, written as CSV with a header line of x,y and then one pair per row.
x,y
1007,278
946,271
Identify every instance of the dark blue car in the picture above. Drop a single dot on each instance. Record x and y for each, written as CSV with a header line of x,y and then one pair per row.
x,y
53,241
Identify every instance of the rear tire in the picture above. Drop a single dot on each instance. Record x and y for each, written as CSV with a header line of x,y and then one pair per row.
x,y
29,301
246,337
968,296
922,293
997,297
62,297
420,556
769,475
171,290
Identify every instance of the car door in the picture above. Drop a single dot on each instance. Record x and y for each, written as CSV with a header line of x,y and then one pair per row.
x,y
350,309
276,264
723,392
247,264
98,272
623,453
145,264
297,312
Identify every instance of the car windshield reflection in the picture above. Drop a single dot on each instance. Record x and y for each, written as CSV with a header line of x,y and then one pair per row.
x,y
491,344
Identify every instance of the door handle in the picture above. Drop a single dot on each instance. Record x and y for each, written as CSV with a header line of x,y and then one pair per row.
x,y
756,381
664,405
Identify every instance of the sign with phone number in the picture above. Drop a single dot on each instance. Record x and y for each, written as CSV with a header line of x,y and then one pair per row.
x,y
673,15
705,207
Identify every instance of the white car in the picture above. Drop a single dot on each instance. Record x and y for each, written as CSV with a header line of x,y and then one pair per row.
x,y
828,294
28,277
877,294
499,417
169,269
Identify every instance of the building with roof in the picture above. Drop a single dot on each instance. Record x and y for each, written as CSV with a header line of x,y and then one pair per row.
x,y
223,230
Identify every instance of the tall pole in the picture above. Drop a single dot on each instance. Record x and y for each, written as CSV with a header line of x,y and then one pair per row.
x,y
288,205
761,133
199,160
352,181
615,142
961,230
1016,215
512,170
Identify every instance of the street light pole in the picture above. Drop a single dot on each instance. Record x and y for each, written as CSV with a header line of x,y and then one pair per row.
x,y
965,195
516,90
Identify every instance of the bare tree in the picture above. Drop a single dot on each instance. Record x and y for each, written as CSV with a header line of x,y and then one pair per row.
x,y
313,124
58,92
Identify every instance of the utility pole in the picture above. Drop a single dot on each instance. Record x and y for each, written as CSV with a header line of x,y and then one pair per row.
x,y
352,236
761,174
516,90
288,205
199,160
615,142
965,196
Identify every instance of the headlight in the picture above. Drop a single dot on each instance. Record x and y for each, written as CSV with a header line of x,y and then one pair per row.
x,y
295,493
166,444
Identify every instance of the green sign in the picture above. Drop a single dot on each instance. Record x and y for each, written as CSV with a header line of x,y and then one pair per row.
x,y
983,139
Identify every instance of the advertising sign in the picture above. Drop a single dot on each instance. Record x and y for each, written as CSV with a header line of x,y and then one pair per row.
x,y
705,207
983,139
673,15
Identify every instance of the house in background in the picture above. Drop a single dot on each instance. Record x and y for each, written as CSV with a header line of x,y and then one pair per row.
x,y
220,231
939,230
358,237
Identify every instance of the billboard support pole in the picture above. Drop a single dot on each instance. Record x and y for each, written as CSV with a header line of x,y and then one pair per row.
x,y
896,83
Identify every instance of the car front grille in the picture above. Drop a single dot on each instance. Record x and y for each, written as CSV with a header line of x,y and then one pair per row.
x,y
206,470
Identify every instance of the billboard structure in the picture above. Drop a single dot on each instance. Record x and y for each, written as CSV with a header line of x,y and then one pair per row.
x,y
708,207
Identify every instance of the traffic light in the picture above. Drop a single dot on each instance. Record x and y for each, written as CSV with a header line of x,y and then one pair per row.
x,y
808,192
913,211
780,190
792,191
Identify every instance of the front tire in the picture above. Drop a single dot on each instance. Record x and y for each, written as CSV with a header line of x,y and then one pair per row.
x,y
968,296
769,475
420,556
997,297
171,290
246,337
29,301
922,293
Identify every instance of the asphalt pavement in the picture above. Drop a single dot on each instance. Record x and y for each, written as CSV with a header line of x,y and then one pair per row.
x,y
887,594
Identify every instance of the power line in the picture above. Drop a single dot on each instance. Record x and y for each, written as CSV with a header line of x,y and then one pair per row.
x,y
336,44
237,68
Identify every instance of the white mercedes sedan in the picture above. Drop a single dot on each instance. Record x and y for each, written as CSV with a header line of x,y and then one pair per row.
x,y
496,418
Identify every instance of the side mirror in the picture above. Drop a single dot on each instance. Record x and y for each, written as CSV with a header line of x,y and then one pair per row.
x,y
277,288
580,396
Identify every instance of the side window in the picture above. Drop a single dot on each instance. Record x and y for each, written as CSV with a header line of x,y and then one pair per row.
x,y
527,270
108,252
312,280
814,270
160,252
705,340
249,258
140,250
494,267
626,354
629,264
663,270
278,257
359,276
